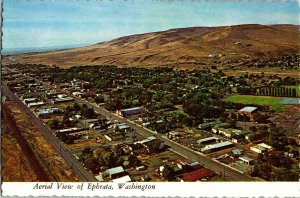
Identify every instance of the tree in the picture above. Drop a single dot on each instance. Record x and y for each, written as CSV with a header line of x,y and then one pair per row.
x,y
54,124
167,172
133,160
99,99
109,159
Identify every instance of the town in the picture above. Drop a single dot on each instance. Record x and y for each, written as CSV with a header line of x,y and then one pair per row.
x,y
163,124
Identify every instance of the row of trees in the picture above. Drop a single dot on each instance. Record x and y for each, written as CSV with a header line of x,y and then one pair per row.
x,y
277,91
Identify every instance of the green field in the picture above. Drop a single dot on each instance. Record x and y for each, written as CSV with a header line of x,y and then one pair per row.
x,y
273,102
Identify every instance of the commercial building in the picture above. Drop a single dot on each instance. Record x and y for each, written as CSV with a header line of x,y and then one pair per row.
x,y
216,147
197,175
130,111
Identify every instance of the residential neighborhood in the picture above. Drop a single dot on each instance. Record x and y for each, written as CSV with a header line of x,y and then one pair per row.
x,y
138,124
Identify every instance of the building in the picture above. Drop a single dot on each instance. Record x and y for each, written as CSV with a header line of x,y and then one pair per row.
x,y
258,149
35,104
173,135
122,128
29,100
116,172
46,112
261,148
61,100
197,175
246,160
248,111
236,152
130,111
216,147
181,164
70,130
113,137
208,140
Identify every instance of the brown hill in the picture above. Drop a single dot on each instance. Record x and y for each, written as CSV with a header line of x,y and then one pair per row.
x,y
184,46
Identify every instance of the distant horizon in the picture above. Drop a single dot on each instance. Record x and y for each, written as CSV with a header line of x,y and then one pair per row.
x,y
9,51
36,24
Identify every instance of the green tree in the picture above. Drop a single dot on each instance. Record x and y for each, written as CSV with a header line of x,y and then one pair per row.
x,y
167,172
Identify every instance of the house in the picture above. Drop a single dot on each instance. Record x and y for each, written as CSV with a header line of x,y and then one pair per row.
x,y
148,139
216,147
173,134
181,164
236,152
208,140
177,170
43,113
70,130
29,100
140,168
197,175
248,111
195,165
122,127
35,104
246,160
61,100
129,112
116,172
261,148
258,149
266,146
113,137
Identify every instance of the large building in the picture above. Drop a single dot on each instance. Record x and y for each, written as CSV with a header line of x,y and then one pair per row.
x,y
130,111
248,111
216,147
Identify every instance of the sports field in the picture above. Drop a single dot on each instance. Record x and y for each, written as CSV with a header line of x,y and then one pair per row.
x,y
274,102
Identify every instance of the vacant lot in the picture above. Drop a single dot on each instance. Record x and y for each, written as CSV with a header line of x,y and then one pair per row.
x,y
273,102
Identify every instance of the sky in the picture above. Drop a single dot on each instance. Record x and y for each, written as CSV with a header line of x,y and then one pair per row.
x,y
46,23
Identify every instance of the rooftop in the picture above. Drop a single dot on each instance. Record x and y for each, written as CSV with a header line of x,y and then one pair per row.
x,y
207,139
217,145
115,170
245,158
197,174
248,109
131,109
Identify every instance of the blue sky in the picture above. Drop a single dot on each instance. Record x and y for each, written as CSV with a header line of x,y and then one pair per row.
x,y
69,22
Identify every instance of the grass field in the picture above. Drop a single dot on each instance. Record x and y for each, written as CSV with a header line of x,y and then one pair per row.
x,y
273,102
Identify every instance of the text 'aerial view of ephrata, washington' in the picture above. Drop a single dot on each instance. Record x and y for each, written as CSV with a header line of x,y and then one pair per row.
x,y
150,91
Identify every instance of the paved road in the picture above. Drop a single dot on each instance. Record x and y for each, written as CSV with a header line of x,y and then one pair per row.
x,y
84,175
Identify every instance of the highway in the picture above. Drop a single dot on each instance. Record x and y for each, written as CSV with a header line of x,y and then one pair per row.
x,y
70,159
178,148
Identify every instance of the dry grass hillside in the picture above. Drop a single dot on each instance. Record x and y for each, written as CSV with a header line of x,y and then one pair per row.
x,y
177,47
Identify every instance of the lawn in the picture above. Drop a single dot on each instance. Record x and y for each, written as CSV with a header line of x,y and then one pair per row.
x,y
273,102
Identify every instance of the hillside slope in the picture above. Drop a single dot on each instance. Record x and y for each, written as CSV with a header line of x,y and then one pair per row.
x,y
177,47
